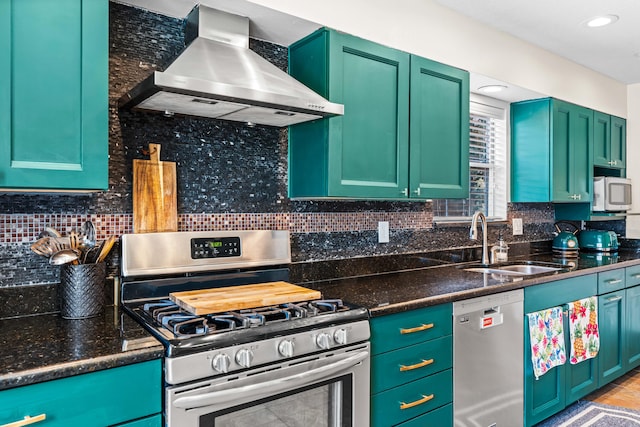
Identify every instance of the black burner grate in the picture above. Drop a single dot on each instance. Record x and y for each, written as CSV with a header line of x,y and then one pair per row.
x,y
168,315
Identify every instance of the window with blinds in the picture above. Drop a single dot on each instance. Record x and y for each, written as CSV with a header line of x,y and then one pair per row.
x,y
487,165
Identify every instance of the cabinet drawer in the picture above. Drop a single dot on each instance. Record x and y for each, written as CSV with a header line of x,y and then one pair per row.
x,y
95,399
397,367
632,275
559,292
410,400
152,421
440,417
610,281
404,329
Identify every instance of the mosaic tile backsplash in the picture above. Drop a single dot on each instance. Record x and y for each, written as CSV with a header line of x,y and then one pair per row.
x,y
230,177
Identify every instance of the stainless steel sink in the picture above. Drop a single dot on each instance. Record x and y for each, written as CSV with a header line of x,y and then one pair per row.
x,y
517,269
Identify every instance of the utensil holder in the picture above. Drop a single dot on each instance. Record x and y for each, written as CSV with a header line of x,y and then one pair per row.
x,y
82,290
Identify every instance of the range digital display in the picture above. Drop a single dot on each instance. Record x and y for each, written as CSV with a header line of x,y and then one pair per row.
x,y
215,247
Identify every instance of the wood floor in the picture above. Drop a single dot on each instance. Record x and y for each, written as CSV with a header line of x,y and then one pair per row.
x,y
624,392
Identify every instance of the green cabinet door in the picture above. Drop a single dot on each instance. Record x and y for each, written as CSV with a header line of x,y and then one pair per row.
x,y
572,149
612,327
101,398
551,152
364,153
632,326
609,141
618,143
54,94
601,139
562,384
439,129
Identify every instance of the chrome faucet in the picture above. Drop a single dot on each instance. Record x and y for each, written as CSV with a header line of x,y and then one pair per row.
x,y
473,234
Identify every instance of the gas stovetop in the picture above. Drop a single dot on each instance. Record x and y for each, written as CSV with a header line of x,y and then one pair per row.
x,y
185,333
168,316
157,264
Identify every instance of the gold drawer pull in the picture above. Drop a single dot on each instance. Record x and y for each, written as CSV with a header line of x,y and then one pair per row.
x,y
424,399
416,366
27,420
422,327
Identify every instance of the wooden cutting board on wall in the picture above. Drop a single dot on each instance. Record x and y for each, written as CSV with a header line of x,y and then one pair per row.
x,y
230,298
155,201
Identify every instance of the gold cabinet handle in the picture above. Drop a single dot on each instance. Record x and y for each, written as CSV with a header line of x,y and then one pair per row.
x,y
422,364
422,327
27,420
424,399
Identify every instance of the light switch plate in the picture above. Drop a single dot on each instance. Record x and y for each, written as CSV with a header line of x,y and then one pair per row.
x,y
517,226
383,232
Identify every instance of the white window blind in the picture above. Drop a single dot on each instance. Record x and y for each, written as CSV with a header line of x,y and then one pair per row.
x,y
487,165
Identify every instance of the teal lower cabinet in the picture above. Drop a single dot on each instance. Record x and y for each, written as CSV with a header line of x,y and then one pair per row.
x,y
611,323
413,399
152,421
411,368
99,399
632,338
632,325
561,385
440,417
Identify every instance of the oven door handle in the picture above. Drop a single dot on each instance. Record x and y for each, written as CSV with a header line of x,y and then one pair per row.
x,y
269,387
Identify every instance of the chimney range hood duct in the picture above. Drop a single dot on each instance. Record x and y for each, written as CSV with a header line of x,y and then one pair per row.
x,y
218,76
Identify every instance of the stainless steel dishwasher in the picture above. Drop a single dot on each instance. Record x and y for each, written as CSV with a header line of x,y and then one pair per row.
x,y
488,361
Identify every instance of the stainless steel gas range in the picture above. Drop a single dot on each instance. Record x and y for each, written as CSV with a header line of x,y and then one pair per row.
x,y
304,363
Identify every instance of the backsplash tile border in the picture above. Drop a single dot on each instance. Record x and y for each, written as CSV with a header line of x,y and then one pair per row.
x,y
25,228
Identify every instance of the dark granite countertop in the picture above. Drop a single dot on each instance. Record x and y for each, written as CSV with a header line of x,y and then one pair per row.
x,y
398,291
46,347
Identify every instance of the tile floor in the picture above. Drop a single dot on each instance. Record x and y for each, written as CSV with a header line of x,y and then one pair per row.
x,y
624,391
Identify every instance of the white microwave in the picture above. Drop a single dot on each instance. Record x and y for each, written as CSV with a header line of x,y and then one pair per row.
x,y
611,194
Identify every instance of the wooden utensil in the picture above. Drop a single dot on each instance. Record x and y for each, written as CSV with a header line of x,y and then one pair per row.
x,y
231,298
155,202
106,248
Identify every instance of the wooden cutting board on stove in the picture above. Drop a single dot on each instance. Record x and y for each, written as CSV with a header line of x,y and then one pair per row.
x,y
206,301
155,201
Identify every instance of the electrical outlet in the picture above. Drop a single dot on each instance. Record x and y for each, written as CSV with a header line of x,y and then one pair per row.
x,y
517,226
383,232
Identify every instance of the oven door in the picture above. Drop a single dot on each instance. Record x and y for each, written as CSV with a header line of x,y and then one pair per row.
x,y
330,389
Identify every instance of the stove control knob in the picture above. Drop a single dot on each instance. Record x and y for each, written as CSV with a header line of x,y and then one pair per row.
x,y
285,348
244,357
220,363
323,340
340,336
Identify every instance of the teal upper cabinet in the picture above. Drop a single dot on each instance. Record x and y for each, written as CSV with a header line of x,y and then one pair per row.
x,y
366,153
439,132
54,94
609,141
551,152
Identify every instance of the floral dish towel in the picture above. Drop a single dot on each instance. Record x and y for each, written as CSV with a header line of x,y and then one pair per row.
x,y
547,340
583,329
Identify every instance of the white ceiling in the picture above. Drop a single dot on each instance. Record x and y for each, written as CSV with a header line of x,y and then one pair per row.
x,y
558,26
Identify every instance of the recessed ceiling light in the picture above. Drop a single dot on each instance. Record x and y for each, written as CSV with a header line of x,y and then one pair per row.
x,y
601,21
492,88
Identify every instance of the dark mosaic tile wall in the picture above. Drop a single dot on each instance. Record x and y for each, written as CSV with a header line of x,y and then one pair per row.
x,y
223,167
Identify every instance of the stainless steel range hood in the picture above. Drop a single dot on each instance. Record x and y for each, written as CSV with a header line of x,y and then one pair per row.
x,y
218,76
